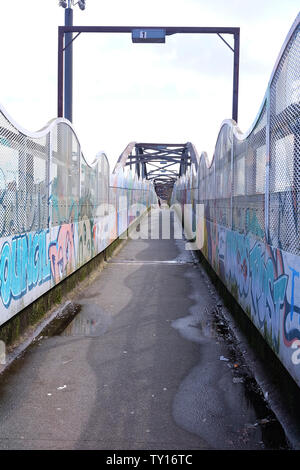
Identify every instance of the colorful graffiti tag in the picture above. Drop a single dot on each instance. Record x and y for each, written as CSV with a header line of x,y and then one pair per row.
x,y
237,261
24,264
268,289
62,253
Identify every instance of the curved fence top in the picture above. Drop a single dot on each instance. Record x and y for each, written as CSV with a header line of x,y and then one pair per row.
x,y
238,133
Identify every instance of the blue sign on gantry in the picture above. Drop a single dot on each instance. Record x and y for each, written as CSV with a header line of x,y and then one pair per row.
x,y
148,35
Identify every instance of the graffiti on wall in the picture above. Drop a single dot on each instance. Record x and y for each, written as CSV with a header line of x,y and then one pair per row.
x,y
260,279
291,320
62,253
237,261
31,259
268,290
24,264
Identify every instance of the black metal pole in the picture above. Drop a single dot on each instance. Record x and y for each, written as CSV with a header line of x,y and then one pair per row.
x,y
68,67
60,73
236,65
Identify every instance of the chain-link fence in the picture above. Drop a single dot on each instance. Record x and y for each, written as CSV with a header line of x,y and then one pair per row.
x,y
45,181
56,210
284,182
236,190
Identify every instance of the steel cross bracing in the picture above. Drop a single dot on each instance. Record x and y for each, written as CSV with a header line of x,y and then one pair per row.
x,y
160,163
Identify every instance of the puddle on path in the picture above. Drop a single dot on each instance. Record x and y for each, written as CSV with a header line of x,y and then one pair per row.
x,y
81,319
91,321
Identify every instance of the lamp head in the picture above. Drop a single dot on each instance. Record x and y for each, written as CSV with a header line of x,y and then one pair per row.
x,y
62,3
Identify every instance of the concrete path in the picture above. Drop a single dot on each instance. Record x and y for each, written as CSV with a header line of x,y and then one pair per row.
x,y
142,366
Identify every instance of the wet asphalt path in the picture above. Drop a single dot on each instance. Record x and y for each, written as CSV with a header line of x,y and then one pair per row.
x,y
138,368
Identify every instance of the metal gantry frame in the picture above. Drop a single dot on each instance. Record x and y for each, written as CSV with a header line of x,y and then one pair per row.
x,y
66,76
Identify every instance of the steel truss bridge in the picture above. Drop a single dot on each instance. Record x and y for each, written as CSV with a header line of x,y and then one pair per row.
x,y
160,163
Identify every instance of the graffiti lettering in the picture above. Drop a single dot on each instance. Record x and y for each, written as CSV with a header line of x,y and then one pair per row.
x,y
291,323
62,253
237,261
268,288
23,264
296,354
23,210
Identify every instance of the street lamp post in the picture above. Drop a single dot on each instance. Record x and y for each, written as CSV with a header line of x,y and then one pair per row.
x,y
69,64
68,48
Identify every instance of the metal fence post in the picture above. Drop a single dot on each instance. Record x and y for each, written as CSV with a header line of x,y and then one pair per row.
x,y
50,185
231,189
268,159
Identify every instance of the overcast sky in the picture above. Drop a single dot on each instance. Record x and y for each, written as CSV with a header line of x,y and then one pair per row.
x,y
175,92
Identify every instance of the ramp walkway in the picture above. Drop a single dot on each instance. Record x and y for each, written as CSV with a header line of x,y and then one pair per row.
x,y
141,366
